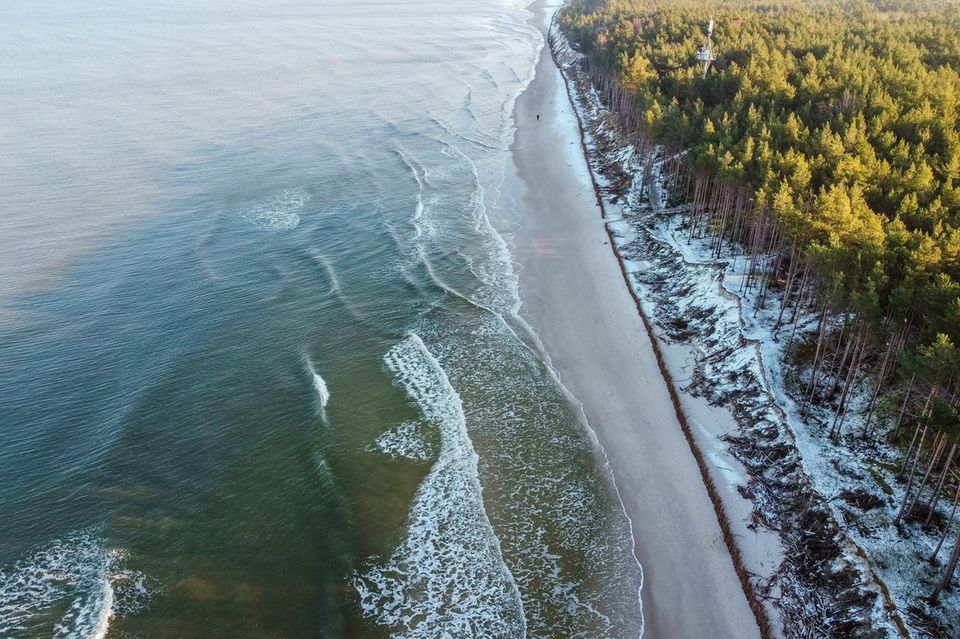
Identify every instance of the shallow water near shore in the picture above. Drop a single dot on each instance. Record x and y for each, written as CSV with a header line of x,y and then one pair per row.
x,y
262,373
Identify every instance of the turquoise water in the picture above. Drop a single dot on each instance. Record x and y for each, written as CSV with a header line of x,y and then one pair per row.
x,y
261,370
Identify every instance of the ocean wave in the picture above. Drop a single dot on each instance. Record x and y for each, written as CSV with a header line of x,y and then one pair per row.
x,y
447,578
452,220
327,266
418,207
493,266
78,574
319,385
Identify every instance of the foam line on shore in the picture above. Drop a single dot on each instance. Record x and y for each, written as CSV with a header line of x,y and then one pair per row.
x,y
535,344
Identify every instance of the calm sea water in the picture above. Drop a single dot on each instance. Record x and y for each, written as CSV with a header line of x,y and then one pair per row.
x,y
260,369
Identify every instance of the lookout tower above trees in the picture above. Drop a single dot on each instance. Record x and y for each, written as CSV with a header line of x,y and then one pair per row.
x,y
705,53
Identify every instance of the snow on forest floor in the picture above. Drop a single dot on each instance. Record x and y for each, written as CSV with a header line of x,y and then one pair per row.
x,y
845,570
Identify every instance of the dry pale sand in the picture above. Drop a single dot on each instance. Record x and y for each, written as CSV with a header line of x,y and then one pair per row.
x,y
575,297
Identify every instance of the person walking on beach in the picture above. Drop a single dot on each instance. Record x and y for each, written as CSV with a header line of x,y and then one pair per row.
x,y
538,117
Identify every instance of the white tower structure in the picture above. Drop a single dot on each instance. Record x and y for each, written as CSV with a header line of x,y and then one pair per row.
x,y
705,53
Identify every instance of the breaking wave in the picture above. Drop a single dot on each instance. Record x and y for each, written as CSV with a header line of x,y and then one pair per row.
x,y
319,385
447,578
76,573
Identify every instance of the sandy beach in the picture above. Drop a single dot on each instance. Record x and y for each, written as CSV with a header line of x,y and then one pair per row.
x,y
575,297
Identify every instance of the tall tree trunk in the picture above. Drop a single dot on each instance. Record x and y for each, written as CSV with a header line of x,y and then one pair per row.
x,y
835,368
922,420
903,408
913,473
946,531
947,577
939,443
787,287
855,363
816,359
943,476
795,313
775,248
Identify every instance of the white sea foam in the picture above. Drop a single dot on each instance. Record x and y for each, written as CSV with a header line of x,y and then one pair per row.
x,y
89,618
76,573
279,212
319,385
405,441
447,578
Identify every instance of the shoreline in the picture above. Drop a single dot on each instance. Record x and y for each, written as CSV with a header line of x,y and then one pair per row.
x,y
643,439
753,600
